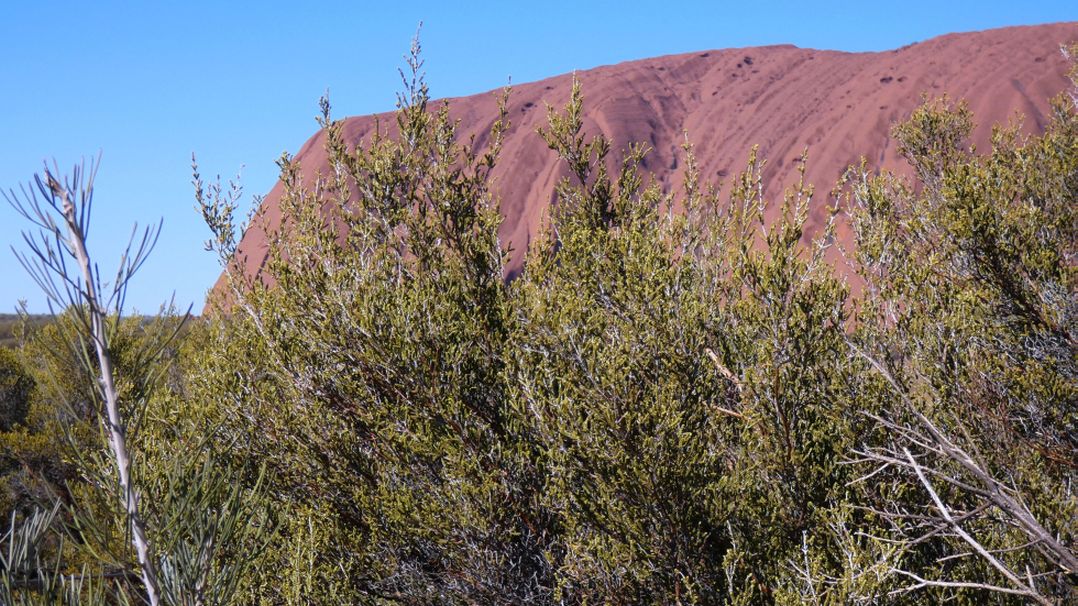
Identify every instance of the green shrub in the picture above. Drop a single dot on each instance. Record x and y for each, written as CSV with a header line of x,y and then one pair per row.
x,y
15,387
968,318
651,412
676,401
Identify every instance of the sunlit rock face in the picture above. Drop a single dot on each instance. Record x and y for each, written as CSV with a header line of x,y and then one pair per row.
x,y
837,105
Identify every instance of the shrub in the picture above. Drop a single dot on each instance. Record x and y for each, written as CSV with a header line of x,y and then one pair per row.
x,y
15,387
101,393
968,321
663,407
437,434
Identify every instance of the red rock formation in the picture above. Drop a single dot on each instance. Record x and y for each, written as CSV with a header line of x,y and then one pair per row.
x,y
838,105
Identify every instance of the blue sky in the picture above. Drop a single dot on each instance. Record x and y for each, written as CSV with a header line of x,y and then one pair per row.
x,y
148,83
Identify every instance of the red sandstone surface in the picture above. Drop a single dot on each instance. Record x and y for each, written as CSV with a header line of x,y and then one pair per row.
x,y
838,105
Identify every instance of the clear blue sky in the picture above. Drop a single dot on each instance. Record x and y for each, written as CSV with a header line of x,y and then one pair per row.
x,y
150,82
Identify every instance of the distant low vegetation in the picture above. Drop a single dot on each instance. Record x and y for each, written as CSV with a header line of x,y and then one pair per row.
x,y
662,408
16,326
11,324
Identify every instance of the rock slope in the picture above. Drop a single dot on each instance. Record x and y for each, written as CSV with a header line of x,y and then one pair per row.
x,y
838,105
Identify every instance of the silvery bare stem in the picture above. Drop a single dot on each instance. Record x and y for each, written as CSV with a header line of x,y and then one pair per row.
x,y
81,287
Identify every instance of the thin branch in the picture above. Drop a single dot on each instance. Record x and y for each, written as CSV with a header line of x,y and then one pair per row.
x,y
984,553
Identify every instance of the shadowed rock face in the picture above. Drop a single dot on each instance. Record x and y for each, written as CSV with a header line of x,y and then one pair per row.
x,y
838,105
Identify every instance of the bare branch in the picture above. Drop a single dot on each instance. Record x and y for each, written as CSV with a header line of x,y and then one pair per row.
x,y
80,288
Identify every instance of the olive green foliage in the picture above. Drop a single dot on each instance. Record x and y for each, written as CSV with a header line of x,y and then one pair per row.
x,y
675,372
371,378
15,387
677,401
54,414
61,509
8,326
655,411
99,381
58,396
969,314
12,326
